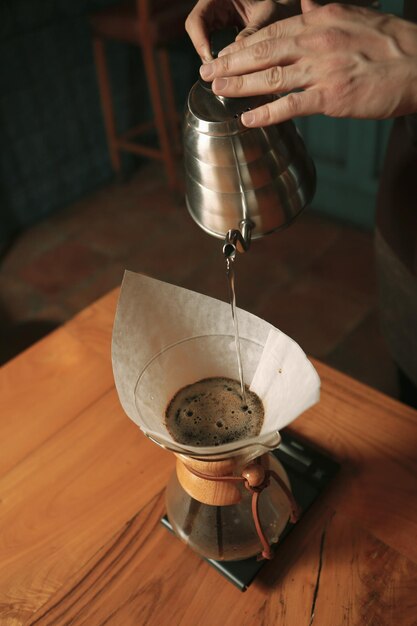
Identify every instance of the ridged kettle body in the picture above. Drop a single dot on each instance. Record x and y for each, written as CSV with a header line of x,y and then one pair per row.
x,y
234,173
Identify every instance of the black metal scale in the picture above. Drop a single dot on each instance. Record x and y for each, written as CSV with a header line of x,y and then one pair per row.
x,y
309,472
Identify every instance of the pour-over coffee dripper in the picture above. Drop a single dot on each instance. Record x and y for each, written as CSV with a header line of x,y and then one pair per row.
x,y
210,498
165,338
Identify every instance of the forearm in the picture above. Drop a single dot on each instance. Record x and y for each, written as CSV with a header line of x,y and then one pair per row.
x,y
404,39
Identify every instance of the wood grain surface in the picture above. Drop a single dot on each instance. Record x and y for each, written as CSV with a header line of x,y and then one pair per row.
x,y
82,493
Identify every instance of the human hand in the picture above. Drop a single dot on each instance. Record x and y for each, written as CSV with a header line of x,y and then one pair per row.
x,y
210,15
348,62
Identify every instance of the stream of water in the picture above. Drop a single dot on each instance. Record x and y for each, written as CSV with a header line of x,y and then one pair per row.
x,y
232,297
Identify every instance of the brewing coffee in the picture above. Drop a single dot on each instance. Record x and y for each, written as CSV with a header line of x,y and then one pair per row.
x,y
210,413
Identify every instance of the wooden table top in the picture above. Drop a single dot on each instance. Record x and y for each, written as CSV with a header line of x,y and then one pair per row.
x,y
82,493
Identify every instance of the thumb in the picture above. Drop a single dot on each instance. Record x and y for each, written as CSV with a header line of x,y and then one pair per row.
x,y
309,5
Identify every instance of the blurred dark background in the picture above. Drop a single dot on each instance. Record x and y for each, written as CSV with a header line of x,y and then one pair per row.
x,y
52,141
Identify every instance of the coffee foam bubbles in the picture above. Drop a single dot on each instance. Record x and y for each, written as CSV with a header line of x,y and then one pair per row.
x,y
209,412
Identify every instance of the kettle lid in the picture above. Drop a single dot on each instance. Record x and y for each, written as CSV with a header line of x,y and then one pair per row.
x,y
218,115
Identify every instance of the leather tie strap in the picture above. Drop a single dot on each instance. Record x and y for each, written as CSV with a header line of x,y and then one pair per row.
x,y
256,478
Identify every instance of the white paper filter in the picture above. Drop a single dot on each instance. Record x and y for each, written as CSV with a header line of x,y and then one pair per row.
x,y
166,337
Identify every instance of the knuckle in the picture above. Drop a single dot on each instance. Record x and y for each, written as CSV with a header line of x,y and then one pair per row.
x,y
249,30
223,63
238,83
333,38
264,114
335,10
189,22
274,76
341,88
301,40
271,31
262,50
292,103
238,46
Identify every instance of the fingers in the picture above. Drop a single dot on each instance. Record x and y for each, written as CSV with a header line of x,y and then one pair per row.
x,y
246,32
289,27
294,105
274,80
262,15
308,5
196,27
262,55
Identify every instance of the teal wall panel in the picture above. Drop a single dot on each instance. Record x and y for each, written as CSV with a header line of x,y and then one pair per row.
x,y
348,155
392,6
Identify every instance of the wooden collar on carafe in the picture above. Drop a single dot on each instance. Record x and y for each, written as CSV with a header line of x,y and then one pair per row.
x,y
215,486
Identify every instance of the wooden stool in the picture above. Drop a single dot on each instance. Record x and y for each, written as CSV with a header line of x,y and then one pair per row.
x,y
152,25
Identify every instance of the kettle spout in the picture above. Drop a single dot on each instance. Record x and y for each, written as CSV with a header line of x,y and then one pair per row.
x,y
238,240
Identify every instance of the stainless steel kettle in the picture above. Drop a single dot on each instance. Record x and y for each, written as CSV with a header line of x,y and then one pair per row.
x,y
240,182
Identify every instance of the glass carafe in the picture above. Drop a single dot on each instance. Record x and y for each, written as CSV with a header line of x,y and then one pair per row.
x,y
228,502
219,523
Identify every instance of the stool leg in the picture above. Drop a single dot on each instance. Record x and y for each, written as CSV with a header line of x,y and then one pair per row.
x,y
170,95
106,102
152,77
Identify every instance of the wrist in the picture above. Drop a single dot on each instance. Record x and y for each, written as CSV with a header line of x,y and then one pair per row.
x,y
404,37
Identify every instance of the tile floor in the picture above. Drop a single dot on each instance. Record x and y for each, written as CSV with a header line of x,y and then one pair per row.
x,y
315,280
